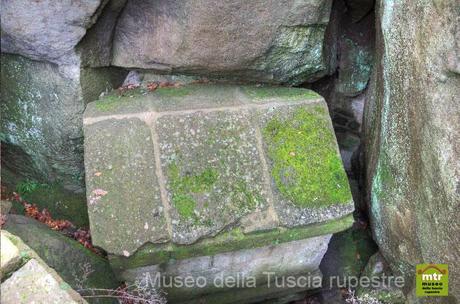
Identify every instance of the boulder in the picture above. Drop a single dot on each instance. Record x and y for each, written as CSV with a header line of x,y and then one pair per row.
x,y
79,267
412,137
41,129
271,41
50,31
187,177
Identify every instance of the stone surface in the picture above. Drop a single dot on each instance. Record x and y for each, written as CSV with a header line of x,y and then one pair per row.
x,y
46,30
347,255
35,283
377,267
78,266
412,126
10,258
41,129
274,41
288,259
194,161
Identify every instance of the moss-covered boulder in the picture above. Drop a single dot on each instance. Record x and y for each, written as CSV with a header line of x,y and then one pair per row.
x,y
206,171
78,266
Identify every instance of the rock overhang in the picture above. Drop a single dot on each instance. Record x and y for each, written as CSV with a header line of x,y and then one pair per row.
x,y
190,165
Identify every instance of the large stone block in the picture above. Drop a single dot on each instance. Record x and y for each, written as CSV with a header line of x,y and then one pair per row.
x,y
193,161
273,41
187,175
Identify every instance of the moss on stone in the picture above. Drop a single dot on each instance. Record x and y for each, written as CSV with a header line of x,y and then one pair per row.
x,y
62,204
306,167
283,93
174,91
114,99
183,188
230,240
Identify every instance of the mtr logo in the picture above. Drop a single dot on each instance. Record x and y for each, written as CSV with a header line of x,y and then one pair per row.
x,y
432,280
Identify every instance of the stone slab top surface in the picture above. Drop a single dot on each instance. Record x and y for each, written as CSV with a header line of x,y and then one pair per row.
x,y
183,164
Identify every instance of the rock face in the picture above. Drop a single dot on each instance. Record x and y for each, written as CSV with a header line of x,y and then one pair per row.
x,y
276,41
42,107
45,89
78,266
413,136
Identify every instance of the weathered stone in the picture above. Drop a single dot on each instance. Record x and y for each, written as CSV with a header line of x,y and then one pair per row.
x,y
260,265
41,128
47,30
197,160
10,258
386,292
347,255
36,283
355,66
123,190
78,266
274,41
412,137
351,45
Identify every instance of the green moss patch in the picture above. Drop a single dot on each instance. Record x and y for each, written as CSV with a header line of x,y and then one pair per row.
x,y
306,167
174,91
227,241
114,99
183,188
283,93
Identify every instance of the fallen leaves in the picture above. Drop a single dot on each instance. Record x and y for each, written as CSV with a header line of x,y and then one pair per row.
x,y
123,89
81,235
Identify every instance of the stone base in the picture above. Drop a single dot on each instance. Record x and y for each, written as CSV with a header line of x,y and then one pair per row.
x,y
244,275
